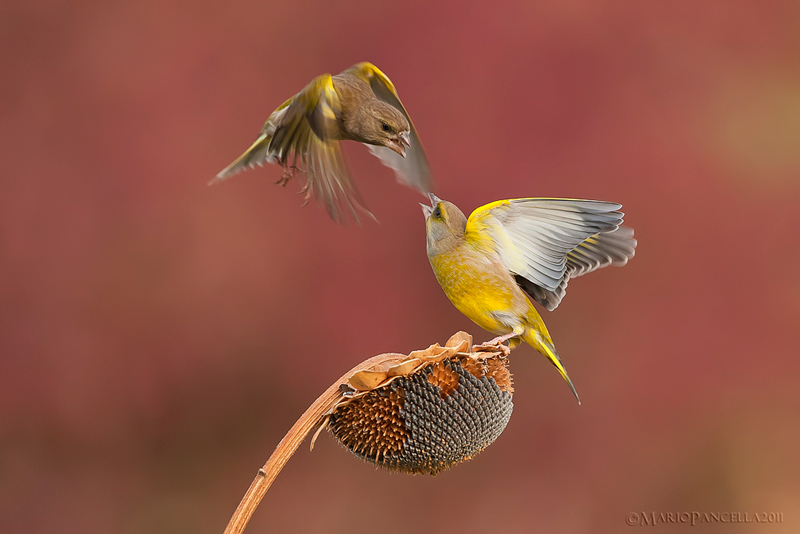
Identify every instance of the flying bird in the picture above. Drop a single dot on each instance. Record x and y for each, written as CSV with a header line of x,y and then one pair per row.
x,y
360,104
507,251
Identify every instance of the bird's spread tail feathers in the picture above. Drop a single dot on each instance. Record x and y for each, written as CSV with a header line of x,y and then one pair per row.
x,y
257,154
545,347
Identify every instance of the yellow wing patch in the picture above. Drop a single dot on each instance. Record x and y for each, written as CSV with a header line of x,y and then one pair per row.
x,y
318,89
482,231
367,72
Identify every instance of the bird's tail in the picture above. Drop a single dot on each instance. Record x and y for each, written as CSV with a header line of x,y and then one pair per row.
x,y
257,154
545,346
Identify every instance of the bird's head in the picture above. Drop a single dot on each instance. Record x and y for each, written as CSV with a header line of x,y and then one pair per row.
x,y
444,225
389,127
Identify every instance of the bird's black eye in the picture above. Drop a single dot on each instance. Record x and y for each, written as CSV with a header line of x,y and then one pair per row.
x,y
437,213
385,127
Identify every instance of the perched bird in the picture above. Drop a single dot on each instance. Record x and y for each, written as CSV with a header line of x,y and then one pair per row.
x,y
486,264
360,104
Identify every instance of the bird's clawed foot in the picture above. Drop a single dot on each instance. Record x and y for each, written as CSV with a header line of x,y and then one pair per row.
x,y
307,192
497,343
503,338
288,174
492,347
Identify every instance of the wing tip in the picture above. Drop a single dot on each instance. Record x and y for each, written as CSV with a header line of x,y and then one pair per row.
x,y
227,172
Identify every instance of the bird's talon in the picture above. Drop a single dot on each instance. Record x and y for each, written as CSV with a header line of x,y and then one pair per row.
x,y
492,346
288,174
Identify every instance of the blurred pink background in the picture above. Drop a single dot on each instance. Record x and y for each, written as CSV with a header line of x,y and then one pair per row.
x,y
158,337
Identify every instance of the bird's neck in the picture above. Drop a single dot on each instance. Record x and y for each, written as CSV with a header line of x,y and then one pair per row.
x,y
354,114
355,124
444,245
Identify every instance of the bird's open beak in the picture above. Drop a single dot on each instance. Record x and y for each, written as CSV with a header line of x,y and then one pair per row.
x,y
401,143
427,210
405,139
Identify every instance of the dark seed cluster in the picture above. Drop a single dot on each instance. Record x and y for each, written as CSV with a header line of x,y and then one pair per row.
x,y
426,422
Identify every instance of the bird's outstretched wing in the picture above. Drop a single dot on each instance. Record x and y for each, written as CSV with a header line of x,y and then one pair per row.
x,y
259,152
546,241
412,170
300,132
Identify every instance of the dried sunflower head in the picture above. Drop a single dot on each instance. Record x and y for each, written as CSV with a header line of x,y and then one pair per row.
x,y
427,411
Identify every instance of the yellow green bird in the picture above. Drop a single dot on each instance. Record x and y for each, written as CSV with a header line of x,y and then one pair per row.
x,y
360,104
508,250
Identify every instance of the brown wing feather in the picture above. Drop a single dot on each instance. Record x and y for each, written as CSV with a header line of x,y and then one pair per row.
x,y
302,131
